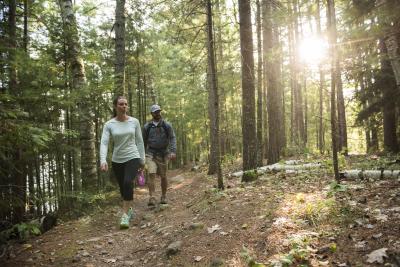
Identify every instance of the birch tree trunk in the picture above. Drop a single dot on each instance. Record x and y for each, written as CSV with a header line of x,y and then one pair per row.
x,y
86,127
248,89
215,159
119,71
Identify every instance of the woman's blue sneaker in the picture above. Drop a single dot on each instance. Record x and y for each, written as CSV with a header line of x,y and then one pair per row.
x,y
124,224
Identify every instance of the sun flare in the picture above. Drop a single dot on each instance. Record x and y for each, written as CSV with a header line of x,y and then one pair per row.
x,y
313,50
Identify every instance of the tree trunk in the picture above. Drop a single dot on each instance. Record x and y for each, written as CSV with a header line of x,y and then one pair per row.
x,y
342,125
222,95
260,151
119,28
332,48
248,91
86,129
271,65
213,107
297,72
389,107
392,42
25,39
321,131
281,93
294,137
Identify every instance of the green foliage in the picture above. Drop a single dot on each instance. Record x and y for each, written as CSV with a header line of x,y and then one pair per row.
x,y
335,187
249,176
299,252
21,231
250,259
315,210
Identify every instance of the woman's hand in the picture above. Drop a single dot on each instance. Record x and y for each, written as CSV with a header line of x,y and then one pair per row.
x,y
104,167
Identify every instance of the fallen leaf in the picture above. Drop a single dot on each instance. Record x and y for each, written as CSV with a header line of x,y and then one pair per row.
x,y
198,258
361,244
213,228
377,255
377,235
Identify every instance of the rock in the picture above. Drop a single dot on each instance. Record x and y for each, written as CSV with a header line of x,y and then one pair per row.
x,y
174,248
216,262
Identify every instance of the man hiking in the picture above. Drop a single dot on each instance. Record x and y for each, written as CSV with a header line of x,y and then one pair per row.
x,y
160,145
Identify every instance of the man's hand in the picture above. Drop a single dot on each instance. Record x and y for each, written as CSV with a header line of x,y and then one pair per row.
x,y
172,156
104,167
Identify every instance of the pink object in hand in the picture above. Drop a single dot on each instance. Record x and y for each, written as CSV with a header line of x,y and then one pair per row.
x,y
140,179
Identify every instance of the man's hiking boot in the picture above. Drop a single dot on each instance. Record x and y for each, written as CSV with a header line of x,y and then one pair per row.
x,y
163,200
152,202
130,214
124,224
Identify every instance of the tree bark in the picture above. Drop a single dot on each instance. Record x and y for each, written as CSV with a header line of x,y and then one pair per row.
x,y
260,154
86,128
222,94
297,72
321,131
342,124
26,14
389,90
332,42
213,103
248,88
271,65
119,72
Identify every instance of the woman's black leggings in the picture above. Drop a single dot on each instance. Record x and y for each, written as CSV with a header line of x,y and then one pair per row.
x,y
125,173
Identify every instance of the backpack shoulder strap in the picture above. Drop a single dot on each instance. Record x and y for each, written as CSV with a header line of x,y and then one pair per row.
x,y
165,126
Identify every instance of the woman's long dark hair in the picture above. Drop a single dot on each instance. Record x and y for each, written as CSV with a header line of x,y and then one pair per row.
x,y
115,102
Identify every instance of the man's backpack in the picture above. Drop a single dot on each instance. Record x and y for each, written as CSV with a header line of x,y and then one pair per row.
x,y
163,125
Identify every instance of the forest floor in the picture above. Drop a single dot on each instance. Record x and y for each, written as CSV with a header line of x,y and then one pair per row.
x,y
281,219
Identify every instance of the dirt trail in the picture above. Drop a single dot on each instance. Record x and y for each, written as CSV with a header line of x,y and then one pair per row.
x,y
279,218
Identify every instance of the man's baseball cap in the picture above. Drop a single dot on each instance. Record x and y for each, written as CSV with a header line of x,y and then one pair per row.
x,y
154,108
